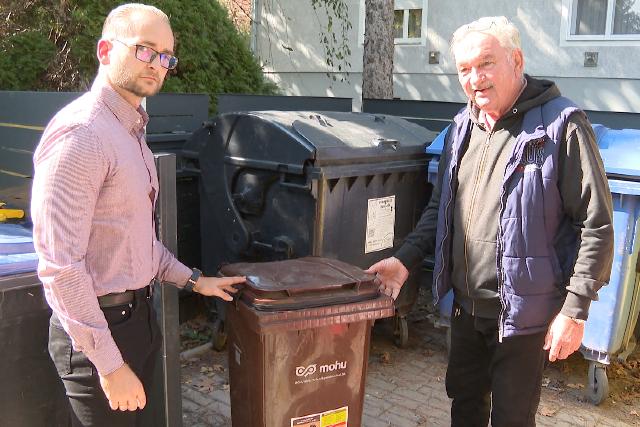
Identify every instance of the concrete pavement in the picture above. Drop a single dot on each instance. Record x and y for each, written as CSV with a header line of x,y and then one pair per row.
x,y
405,387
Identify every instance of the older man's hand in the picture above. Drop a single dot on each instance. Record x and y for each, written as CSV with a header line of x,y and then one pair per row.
x,y
563,337
390,275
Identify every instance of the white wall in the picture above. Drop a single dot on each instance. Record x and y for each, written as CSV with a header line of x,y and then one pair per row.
x,y
614,85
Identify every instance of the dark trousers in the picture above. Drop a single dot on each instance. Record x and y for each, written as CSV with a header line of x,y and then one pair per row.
x,y
136,333
486,378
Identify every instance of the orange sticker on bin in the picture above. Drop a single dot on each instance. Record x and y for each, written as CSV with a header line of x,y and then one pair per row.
x,y
333,418
337,418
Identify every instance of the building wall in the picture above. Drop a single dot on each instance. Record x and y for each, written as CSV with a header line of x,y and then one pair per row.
x,y
287,34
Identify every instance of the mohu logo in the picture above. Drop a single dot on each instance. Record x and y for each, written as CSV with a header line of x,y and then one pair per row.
x,y
305,371
335,366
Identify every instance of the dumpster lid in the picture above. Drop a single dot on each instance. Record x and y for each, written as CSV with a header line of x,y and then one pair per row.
x,y
620,151
436,147
302,283
291,139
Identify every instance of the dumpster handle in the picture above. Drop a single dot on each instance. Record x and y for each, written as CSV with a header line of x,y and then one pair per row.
x,y
352,286
306,186
392,143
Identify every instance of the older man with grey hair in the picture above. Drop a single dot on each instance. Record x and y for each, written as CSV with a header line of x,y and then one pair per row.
x,y
520,222
94,192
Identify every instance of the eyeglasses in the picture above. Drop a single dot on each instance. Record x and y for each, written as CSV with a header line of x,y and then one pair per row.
x,y
148,55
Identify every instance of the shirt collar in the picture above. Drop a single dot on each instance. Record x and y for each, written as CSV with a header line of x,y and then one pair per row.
x,y
133,119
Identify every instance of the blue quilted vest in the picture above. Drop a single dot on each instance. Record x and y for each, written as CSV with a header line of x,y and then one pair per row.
x,y
530,278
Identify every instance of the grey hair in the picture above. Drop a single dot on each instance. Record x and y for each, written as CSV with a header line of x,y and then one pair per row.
x,y
119,23
497,26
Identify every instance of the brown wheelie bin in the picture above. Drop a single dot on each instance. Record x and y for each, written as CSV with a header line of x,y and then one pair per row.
x,y
299,342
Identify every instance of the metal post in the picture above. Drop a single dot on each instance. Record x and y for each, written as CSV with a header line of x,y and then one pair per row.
x,y
165,399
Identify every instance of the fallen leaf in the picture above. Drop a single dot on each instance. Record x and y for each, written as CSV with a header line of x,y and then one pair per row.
x,y
428,353
545,381
634,412
547,412
575,386
385,357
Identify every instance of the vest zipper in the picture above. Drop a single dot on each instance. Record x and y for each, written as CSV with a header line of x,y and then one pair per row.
x,y
444,238
500,272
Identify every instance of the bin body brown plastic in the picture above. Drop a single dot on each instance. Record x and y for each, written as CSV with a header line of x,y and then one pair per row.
x,y
301,368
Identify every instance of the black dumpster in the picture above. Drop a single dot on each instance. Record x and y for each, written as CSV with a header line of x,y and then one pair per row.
x,y
278,185
31,394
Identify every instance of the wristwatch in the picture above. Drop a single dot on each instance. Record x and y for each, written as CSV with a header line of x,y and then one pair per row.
x,y
191,282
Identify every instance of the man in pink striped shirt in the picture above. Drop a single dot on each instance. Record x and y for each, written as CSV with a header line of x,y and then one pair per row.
x,y
94,192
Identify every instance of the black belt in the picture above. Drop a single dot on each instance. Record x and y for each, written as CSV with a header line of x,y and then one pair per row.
x,y
122,298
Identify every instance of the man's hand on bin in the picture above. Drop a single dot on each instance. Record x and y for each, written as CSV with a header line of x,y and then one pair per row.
x,y
563,337
221,287
123,389
390,275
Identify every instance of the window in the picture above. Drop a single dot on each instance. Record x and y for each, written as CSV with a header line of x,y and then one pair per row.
x,y
407,25
409,21
604,20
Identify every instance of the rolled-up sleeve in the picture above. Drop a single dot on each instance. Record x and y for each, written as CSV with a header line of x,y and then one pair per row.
x,y
70,168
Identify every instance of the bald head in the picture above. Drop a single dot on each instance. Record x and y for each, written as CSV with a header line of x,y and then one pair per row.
x,y
122,20
135,38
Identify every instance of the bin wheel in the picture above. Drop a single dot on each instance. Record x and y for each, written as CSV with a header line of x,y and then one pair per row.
x,y
218,336
598,389
401,333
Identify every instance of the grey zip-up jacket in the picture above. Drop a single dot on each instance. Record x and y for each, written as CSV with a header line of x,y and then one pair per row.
x,y
554,221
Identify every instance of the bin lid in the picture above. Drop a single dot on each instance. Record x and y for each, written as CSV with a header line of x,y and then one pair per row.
x,y
302,283
292,139
17,254
620,151
437,145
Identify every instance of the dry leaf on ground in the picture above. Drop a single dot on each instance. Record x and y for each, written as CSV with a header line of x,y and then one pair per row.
x,y
547,411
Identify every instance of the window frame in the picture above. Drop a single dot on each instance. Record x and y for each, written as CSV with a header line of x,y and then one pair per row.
x,y
404,5
569,12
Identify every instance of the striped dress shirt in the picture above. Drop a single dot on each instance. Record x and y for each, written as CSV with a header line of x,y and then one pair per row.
x,y
93,196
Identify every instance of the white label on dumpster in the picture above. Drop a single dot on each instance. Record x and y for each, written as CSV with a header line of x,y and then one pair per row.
x,y
333,418
381,221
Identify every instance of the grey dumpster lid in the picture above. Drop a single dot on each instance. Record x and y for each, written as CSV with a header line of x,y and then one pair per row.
x,y
326,138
